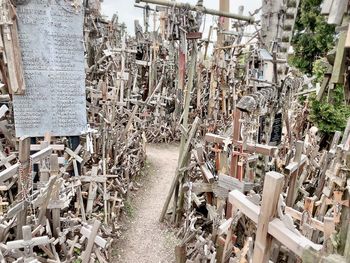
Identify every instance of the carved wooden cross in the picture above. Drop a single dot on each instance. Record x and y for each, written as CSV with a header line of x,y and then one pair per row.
x,y
337,203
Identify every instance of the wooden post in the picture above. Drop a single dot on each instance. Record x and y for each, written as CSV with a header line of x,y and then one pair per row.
x,y
272,188
183,153
224,21
178,173
236,137
91,242
298,163
24,176
54,171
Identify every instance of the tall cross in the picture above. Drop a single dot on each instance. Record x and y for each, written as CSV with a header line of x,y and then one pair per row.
x,y
123,76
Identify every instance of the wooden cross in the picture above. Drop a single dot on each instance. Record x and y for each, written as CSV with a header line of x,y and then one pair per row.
x,y
307,222
122,75
294,169
92,236
337,203
92,191
28,242
268,226
74,158
249,148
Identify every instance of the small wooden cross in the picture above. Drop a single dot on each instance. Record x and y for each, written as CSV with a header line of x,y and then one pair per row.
x,y
337,203
28,242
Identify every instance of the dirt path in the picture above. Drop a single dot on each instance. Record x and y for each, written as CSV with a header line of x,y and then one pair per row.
x,y
146,240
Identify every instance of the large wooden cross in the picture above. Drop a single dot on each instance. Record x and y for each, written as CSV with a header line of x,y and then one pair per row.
x,y
268,226
249,148
122,75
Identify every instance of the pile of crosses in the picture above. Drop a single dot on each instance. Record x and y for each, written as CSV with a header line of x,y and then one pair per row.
x,y
61,196
253,182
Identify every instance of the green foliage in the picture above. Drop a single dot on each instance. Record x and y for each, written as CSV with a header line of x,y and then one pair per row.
x,y
319,68
330,116
313,36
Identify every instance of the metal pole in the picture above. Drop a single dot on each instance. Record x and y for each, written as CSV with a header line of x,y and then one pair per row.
x,y
213,12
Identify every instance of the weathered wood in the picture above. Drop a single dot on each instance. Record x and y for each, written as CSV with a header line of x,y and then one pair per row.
x,y
272,188
91,241
296,243
182,160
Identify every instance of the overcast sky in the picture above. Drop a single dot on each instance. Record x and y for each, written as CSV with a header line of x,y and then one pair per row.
x,y
127,13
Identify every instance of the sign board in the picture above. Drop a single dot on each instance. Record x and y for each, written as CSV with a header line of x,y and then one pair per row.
x,y
51,42
276,133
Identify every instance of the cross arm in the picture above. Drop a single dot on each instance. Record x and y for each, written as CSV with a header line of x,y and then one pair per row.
x,y
251,147
214,12
276,228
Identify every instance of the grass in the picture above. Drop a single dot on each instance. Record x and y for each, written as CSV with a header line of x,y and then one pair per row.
x,y
129,209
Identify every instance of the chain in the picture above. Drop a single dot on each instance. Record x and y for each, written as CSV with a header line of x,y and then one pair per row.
x,y
26,180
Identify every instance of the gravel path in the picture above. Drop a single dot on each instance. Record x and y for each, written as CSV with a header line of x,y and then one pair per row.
x,y
146,240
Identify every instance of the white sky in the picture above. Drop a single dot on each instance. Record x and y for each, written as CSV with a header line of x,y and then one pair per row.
x,y
127,13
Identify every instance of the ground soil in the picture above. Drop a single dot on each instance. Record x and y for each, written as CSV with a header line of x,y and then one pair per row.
x,y
145,240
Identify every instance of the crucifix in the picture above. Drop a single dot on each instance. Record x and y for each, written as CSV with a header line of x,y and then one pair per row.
x,y
337,202
245,149
28,242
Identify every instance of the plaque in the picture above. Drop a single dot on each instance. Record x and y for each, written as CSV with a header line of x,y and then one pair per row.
x,y
51,42
276,133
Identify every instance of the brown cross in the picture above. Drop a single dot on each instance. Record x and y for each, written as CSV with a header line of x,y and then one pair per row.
x,y
337,203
